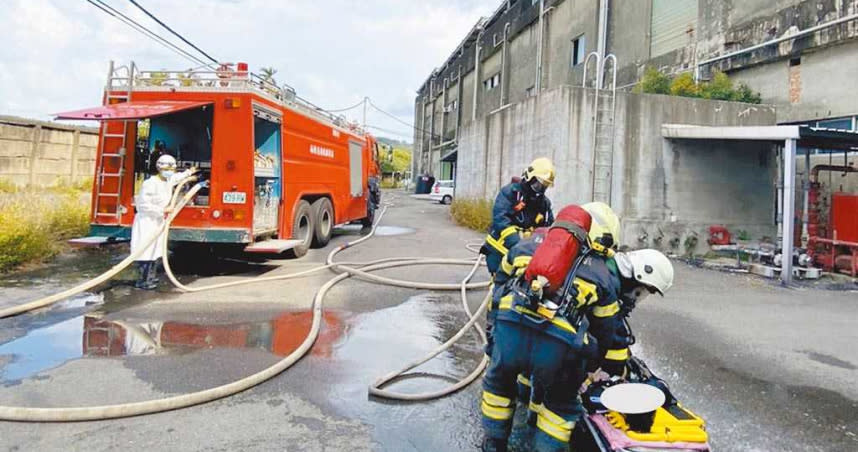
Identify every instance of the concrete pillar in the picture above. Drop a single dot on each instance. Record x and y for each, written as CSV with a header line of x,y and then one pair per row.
x,y
74,152
789,210
34,154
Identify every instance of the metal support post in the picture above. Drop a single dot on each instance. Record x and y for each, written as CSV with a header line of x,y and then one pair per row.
x,y
788,211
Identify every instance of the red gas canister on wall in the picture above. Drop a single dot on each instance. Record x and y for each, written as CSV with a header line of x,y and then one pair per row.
x,y
719,235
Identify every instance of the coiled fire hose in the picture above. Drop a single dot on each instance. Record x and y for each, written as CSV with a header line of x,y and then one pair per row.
x,y
30,414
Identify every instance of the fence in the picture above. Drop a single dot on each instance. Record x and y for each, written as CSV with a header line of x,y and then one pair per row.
x,y
39,154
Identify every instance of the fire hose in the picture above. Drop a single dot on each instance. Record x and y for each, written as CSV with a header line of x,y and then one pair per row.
x,y
347,269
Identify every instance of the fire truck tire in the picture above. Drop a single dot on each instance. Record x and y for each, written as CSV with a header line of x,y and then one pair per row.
x,y
302,228
370,216
323,214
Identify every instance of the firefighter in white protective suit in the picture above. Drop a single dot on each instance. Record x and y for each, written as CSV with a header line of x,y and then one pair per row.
x,y
152,205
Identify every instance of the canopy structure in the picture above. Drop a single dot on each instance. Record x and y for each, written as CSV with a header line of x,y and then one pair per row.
x,y
131,110
790,137
451,156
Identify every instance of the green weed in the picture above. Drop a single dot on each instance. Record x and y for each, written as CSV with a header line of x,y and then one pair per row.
x,y
33,227
472,213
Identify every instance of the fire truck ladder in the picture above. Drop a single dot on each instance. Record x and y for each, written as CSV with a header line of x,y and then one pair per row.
x,y
107,208
604,115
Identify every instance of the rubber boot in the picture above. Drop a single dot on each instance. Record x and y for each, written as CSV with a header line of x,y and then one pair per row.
x,y
143,273
152,276
494,445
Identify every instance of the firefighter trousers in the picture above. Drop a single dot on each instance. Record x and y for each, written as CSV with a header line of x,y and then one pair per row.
x,y
552,366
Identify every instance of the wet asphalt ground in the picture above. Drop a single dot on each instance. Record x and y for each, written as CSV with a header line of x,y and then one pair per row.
x,y
770,369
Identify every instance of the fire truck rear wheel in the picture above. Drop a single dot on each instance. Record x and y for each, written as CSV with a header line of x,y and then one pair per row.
x,y
323,214
302,228
370,216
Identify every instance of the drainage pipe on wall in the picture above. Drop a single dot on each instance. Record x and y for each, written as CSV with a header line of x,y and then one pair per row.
x,y
538,83
476,75
504,66
603,38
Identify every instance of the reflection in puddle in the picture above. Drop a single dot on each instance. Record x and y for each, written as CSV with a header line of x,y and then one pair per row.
x,y
93,336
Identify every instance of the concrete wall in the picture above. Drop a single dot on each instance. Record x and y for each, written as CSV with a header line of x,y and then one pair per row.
x,y
567,21
40,154
823,86
661,188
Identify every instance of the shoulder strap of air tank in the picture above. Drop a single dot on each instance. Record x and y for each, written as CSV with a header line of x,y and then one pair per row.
x,y
574,229
567,307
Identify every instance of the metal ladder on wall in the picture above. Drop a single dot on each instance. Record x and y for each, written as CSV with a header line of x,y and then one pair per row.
x,y
604,116
109,175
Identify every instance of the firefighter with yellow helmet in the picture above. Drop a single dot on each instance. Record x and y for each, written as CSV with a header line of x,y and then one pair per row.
x,y
520,207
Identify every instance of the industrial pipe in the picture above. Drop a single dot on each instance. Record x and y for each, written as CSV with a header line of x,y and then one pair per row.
x,y
837,168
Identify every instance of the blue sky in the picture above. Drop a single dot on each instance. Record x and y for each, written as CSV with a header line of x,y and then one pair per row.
x,y
55,53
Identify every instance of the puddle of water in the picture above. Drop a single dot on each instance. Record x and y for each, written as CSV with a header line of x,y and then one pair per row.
x,y
381,231
382,341
91,335
66,268
393,230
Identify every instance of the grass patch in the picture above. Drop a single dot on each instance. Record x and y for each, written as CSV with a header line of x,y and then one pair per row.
x,y
390,183
473,213
7,186
34,226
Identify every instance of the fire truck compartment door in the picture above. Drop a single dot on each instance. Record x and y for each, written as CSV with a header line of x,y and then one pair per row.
x,y
131,110
356,168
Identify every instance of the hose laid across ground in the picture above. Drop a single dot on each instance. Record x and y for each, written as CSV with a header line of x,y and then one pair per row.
x,y
170,403
113,271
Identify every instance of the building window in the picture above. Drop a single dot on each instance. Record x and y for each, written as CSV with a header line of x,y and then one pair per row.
x,y
579,49
452,106
492,82
673,24
530,91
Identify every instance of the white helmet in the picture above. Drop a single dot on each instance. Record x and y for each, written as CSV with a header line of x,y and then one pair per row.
x,y
648,267
165,162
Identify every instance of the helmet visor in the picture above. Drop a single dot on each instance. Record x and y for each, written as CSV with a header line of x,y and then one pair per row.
x,y
538,186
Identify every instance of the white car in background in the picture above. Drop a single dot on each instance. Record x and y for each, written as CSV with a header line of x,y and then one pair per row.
x,y
442,191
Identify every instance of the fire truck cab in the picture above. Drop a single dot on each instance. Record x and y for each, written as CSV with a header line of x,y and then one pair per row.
x,y
281,172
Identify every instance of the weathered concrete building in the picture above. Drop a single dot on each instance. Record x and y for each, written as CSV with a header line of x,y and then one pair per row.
x,y
512,90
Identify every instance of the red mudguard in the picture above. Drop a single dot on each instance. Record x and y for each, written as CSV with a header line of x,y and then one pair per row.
x,y
554,257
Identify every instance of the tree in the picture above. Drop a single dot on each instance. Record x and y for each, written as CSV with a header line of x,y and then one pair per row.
x,y
720,88
685,86
268,75
653,82
744,93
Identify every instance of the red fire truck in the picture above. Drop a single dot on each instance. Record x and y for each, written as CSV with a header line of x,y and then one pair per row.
x,y
281,171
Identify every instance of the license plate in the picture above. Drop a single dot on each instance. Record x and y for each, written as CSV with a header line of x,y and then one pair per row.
x,y
234,197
